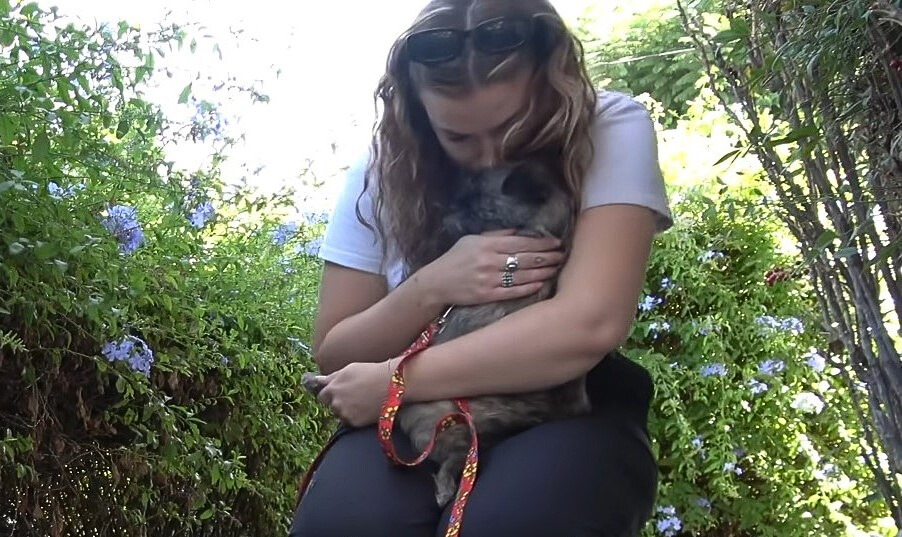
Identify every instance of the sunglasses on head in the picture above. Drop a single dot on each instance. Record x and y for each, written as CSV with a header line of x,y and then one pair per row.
x,y
494,36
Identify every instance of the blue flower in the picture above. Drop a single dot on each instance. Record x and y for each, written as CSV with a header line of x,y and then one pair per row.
x,y
202,214
312,219
704,503
815,361
286,266
59,192
709,255
771,367
698,442
312,247
667,283
123,223
731,467
650,302
712,370
670,524
130,349
756,387
283,233
787,324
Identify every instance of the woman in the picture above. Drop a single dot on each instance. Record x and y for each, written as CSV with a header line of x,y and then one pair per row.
x,y
511,85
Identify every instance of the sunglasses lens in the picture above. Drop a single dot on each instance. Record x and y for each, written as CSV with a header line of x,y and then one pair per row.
x,y
500,35
434,46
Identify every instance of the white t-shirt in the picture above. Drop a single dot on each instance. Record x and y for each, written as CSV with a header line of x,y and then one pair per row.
x,y
624,170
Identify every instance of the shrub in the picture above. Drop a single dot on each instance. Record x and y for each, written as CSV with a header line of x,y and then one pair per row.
x,y
152,321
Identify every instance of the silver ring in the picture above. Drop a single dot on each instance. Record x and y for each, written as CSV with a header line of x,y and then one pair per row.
x,y
507,279
512,263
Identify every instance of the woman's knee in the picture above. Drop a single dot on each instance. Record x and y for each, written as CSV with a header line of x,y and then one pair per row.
x,y
357,491
585,477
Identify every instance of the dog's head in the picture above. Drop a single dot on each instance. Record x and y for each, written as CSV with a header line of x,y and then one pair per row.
x,y
527,196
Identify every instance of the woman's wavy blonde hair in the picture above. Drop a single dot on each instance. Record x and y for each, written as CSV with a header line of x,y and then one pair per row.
x,y
415,178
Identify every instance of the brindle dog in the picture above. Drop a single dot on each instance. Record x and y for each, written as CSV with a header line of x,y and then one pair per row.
x,y
529,198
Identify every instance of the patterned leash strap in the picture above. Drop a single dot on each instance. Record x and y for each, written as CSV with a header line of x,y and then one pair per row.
x,y
387,421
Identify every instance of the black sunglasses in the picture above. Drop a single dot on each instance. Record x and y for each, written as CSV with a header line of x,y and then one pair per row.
x,y
494,36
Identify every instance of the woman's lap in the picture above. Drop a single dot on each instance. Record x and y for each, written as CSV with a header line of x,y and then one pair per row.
x,y
588,476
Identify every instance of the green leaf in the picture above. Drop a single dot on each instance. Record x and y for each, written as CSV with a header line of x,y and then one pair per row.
x,y
6,185
123,128
796,135
40,149
186,92
826,238
727,157
843,253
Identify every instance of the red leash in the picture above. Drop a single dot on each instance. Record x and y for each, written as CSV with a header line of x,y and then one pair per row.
x,y
387,420
386,427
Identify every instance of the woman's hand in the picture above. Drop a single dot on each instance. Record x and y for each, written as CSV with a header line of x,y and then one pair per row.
x,y
470,272
356,392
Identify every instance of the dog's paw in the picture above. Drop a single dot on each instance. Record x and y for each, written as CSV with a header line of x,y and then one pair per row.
x,y
445,489
311,383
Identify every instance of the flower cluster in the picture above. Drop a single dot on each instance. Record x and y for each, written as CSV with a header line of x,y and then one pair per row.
x,y
312,219
311,248
709,255
122,222
59,192
756,386
201,214
284,233
714,370
815,361
787,324
808,403
771,367
132,350
650,302
668,523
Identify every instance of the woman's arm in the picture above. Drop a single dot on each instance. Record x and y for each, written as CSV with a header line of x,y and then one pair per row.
x,y
359,321
557,340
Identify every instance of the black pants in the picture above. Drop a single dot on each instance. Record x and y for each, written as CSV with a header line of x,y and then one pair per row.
x,y
588,476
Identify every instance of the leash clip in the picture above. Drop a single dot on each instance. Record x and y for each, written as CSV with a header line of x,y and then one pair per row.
x,y
441,321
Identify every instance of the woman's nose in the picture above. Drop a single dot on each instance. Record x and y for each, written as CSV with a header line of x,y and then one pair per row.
x,y
490,154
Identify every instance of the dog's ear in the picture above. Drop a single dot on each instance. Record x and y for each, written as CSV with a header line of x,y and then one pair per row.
x,y
531,182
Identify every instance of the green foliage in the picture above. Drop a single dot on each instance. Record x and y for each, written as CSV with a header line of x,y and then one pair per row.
x,y
202,428
646,52
733,461
725,286
104,245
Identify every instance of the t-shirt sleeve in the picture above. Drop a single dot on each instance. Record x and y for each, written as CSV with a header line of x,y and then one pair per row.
x,y
347,241
625,167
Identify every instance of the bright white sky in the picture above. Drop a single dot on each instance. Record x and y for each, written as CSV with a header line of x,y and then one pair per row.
x,y
329,56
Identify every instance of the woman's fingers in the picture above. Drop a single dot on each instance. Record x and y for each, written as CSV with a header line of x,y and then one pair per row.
x,y
531,260
524,277
515,244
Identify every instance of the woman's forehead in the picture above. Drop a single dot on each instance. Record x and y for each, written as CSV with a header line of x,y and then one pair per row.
x,y
481,111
